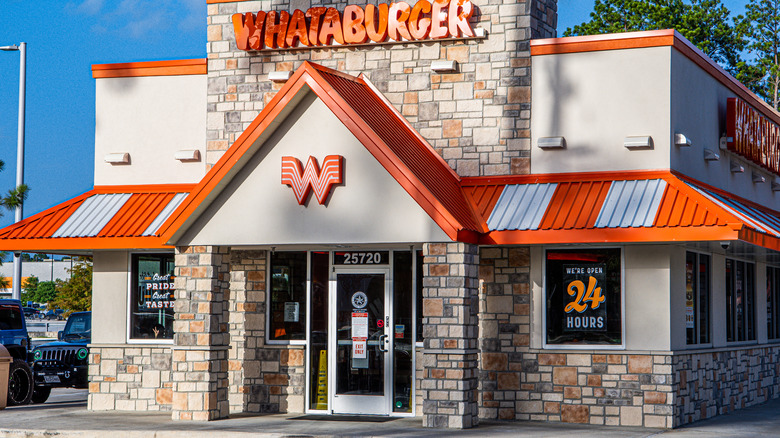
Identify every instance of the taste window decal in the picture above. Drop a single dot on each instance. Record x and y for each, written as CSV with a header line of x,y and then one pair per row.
x,y
302,180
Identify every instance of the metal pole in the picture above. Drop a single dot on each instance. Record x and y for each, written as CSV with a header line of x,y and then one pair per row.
x,y
16,293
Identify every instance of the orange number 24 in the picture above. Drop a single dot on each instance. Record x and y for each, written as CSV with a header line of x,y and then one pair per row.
x,y
592,295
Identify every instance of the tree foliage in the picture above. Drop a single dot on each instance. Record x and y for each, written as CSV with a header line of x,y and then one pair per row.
x,y
760,27
705,23
75,294
38,291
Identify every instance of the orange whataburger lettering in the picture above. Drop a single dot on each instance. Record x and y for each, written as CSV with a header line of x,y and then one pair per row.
x,y
321,26
752,135
302,180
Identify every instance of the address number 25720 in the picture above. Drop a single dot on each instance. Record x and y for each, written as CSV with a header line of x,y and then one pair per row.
x,y
361,258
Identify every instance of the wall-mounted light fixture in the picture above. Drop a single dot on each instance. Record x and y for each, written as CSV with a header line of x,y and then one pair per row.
x,y
187,155
279,76
551,142
117,158
638,142
724,142
758,178
444,66
710,155
776,185
681,140
736,167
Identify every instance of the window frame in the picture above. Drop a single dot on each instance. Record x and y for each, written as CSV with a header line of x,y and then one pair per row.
x,y
622,345
747,340
775,295
307,297
698,344
129,310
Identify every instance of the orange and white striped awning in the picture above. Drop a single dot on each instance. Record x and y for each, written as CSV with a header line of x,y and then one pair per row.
x,y
107,217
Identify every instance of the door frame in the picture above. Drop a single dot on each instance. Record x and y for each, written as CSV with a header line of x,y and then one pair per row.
x,y
333,335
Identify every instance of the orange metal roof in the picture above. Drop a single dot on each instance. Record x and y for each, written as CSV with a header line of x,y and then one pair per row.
x,y
107,217
590,208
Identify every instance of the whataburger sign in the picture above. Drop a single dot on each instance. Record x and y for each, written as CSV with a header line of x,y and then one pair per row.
x,y
321,26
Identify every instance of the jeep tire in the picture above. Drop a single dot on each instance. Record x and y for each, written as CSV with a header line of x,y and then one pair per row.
x,y
20,383
41,394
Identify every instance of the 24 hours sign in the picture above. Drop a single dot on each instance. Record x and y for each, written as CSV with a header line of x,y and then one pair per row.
x,y
585,307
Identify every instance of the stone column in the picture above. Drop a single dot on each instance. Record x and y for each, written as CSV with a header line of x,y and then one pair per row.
x,y
450,356
201,340
247,329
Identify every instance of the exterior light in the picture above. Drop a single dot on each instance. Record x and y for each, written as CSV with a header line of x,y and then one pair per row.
x,y
551,142
118,158
681,140
638,142
724,142
279,76
187,155
736,167
776,185
444,66
710,155
758,178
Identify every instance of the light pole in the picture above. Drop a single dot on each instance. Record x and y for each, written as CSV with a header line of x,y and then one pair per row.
x,y
16,293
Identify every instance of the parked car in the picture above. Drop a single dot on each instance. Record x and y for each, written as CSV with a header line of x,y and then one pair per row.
x,y
54,314
63,363
14,337
31,312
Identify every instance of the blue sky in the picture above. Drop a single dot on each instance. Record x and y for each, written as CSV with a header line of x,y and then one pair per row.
x,y
64,38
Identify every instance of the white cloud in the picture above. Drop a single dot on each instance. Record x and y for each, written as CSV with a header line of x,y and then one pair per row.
x,y
138,19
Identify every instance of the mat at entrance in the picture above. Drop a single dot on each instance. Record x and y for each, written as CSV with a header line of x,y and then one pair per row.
x,y
355,418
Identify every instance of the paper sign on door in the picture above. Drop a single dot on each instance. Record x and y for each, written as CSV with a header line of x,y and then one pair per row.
x,y
359,325
359,350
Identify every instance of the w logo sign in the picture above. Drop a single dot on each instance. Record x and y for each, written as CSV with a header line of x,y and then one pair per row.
x,y
304,179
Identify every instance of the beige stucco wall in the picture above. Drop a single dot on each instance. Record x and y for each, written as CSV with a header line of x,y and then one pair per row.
x,y
109,297
150,118
368,207
646,279
596,99
699,112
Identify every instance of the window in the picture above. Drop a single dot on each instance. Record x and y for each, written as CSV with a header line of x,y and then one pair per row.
x,y
697,298
419,295
152,296
584,297
287,318
740,301
773,302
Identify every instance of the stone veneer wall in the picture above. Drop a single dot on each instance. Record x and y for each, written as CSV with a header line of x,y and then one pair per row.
x,y
130,378
262,377
720,382
478,118
521,383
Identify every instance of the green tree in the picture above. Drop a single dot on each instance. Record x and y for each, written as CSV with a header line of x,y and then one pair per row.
x,y
760,26
705,23
75,294
29,288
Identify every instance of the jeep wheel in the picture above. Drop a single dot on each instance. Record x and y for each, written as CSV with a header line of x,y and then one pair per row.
x,y
20,383
41,394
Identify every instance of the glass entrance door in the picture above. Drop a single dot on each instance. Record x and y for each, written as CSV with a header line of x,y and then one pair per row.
x,y
363,345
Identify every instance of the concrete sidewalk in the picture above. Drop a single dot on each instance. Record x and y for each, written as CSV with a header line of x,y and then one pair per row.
x,y
70,419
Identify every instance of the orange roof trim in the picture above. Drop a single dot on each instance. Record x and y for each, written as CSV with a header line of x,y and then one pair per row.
x,y
376,124
180,67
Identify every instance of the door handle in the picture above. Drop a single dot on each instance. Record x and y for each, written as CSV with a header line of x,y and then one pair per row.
x,y
383,341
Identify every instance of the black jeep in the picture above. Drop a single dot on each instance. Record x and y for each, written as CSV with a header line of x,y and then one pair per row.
x,y
13,335
63,363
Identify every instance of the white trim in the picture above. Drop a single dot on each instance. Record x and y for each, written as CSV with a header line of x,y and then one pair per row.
x,y
622,346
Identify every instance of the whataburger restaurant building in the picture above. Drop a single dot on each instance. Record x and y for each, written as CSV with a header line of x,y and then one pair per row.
x,y
445,225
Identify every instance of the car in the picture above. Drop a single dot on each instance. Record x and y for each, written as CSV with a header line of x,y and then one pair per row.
x,y
14,337
63,363
31,312
53,314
